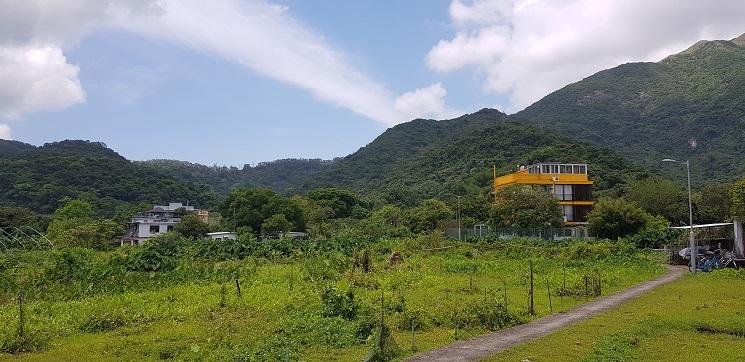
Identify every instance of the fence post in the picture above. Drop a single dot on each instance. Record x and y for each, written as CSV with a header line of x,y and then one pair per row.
x,y
548,288
413,337
21,316
587,292
532,306
238,287
504,283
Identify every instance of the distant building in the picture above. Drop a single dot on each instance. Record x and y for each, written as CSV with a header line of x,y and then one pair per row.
x,y
159,220
569,183
222,235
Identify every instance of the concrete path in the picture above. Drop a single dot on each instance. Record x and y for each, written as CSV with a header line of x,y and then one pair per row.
x,y
489,344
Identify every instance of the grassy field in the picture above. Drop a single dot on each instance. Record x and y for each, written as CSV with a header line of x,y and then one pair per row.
x,y
698,317
308,307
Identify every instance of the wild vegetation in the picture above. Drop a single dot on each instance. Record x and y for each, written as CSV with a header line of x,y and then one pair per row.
x,y
196,299
698,317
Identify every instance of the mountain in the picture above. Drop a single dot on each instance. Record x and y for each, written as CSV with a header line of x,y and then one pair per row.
x,y
690,105
283,176
427,158
39,177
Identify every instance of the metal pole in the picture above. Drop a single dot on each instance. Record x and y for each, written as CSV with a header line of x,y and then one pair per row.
x,y
458,218
692,239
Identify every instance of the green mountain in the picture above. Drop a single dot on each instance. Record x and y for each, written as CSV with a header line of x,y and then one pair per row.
x,y
690,105
285,176
426,158
39,177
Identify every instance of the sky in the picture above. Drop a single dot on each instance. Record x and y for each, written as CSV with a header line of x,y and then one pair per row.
x,y
234,82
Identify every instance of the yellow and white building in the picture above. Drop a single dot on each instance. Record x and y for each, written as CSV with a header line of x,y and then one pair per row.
x,y
568,182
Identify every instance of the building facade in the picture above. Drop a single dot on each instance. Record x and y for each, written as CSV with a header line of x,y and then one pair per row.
x,y
569,183
159,220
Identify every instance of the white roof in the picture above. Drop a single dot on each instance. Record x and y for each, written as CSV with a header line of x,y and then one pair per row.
x,y
703,225
220,233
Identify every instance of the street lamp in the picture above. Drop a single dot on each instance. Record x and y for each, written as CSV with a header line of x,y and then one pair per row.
x,y
692,241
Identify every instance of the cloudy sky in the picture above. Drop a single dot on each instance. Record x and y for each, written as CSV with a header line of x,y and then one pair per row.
x,y
244,81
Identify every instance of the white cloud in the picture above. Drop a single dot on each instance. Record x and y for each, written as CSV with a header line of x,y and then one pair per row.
x,y
256,34
528,48
36,78
5,132
34,71
428,102
268,40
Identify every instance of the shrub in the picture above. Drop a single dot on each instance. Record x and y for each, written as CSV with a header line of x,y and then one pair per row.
x,y
339,304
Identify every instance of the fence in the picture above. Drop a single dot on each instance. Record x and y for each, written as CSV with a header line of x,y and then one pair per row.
x,y
484,232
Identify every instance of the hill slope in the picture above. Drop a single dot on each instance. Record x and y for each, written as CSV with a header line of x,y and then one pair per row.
x,y
38,177
283,176
690,105
442,158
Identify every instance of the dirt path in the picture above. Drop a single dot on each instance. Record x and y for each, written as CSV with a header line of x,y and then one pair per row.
x,y
489,344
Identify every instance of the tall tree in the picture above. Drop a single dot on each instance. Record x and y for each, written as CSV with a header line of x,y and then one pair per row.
x,y
660,197
526,207
614,218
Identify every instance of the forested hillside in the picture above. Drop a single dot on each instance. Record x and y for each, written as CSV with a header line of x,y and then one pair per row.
x,y
426,158
284,176
39,177
689,105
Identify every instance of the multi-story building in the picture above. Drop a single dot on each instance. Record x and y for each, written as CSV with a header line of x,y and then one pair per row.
x,y
159,220
569,183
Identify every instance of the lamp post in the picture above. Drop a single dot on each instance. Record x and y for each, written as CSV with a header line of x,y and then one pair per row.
x,y
692,241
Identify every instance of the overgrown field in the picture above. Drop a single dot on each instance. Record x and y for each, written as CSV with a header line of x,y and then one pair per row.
x,y
699,317
315,302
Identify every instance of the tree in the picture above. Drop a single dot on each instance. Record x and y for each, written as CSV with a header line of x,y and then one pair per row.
x,y
426,216
276,224
660,197
526,207
614,218
343,203
251,207
192,227
73,225
16,217
713,203
737,195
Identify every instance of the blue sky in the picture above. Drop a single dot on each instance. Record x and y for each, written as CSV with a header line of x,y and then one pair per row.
x,y
238,82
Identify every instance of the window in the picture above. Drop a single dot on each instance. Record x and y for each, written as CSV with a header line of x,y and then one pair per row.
x,y
154,229
546,169
169,228
576,169
568,212
565,168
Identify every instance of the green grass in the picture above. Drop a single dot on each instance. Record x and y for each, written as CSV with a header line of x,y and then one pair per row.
x,y
281,314
698,317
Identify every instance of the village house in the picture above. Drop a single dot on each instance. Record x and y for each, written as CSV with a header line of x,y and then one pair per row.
x,y
159,220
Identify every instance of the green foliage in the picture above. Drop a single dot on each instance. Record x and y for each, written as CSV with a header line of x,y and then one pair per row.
x,y
276,224
252,207
157,254
426,216
660,197
337,303
192,227
712,204
18,217
384,347
614,218
73,225
737,194
525,207
342,203
650,111
39,177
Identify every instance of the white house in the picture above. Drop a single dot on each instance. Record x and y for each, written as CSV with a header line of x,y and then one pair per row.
x,y
222,235
159,220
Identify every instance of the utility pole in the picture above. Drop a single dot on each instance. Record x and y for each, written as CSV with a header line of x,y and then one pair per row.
x,y
691,238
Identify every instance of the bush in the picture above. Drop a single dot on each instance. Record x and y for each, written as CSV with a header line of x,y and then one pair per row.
x,y
339,304
157,254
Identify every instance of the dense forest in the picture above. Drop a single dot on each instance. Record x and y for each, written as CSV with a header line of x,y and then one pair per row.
x,y
39,177
689,106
